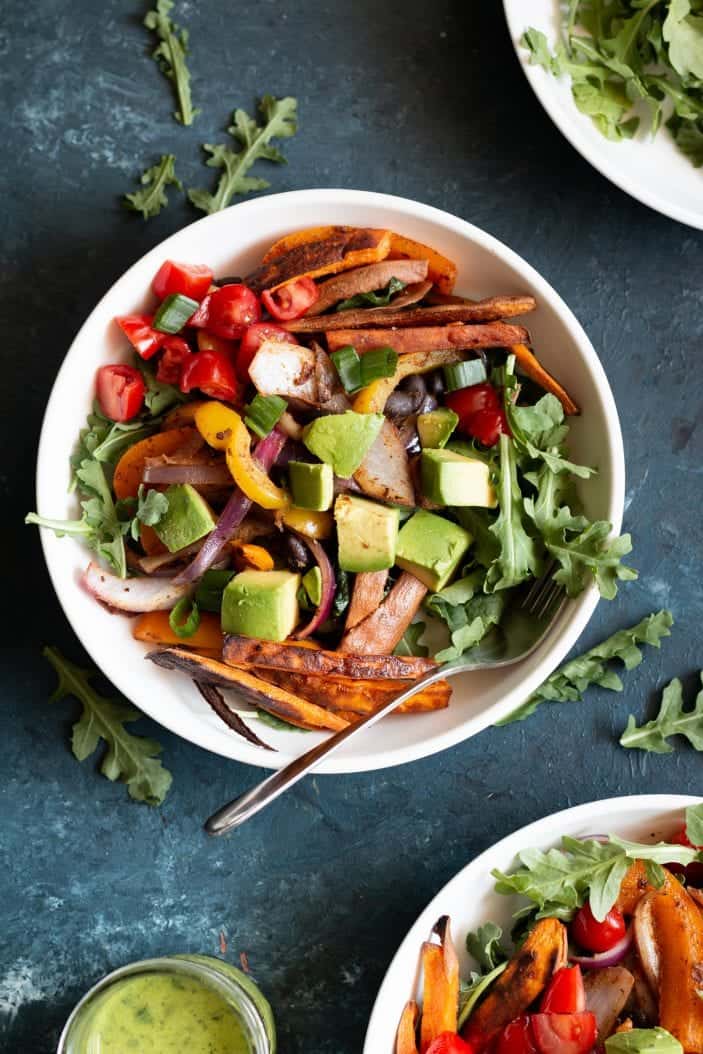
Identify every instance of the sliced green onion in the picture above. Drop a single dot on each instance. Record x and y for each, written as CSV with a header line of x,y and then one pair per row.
x,y
348,366
263,414
377,299
208,595
378,363
464,374
182,626
173,313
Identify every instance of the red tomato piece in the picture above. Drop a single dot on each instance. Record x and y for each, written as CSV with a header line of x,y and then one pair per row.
x,y
681,838
213,373
565,993
228,311
252,340
137,329
291,300
209,342
516,1038
191,280
468,401
488,425
597,936
120,391
449,1043
564,1033
176,352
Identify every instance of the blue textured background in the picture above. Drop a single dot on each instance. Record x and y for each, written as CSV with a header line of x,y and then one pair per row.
x,y
426,101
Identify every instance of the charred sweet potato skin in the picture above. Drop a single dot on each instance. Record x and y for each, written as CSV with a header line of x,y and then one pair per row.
x,y
406,340
337,250
297,657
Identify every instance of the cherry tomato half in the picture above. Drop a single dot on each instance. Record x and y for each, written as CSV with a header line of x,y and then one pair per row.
x,y
291,300
480,412
228,311
174,355
120,391
564,1033
488,426
516,1038
681,838
191,280
252,340
213,373
565,993
597,936
137,329
209,342
449,1043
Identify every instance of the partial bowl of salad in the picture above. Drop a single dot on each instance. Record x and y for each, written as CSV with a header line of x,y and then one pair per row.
x,y
308,448
581,932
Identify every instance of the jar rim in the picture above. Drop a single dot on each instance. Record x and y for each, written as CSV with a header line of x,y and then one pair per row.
x,y
199,966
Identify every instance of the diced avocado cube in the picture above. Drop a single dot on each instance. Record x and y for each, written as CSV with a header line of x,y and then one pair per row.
x,y
449,478
367,534
431,548
312,584
187,519
312,486
261,604
436,427
343,440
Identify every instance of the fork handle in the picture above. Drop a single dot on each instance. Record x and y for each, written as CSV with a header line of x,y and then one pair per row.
x,y
253,801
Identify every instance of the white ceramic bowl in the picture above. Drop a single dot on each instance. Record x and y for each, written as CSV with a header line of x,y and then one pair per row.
x,y
470,900
233,242
652,170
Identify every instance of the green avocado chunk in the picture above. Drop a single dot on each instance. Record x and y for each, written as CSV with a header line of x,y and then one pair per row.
x,y
343,440
436,427
312,584
367,534
431,548
449,478
312,486
187,519
261,604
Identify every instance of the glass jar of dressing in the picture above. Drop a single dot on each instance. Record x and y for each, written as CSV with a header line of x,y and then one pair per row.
x,y
182,1003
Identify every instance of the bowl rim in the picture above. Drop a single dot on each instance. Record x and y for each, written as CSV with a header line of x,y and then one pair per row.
x,y
574,615
539,834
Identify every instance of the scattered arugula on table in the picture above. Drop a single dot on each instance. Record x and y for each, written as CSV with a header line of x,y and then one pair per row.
x,y
170,55
279,120
671,720
129,758
631,51
378,299
151,199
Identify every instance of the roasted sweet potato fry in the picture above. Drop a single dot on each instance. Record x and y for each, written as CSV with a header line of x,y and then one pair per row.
x,y
440,998
524,978
491,310
366,280
430,338
382,631
367,594
296,657
339,249
442,271
153,627
301,237
268,697
216,701
678,930
533,368
636,885
357,695
406,1041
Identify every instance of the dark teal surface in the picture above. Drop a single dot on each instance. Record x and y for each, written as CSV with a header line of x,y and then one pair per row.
x,y
422,100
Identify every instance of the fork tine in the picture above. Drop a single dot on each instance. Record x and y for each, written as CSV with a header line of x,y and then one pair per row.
x,y
551,598
539,587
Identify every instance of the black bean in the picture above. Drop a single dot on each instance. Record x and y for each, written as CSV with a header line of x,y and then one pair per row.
x,y
401,404
414,383
298,556
435,383
428,404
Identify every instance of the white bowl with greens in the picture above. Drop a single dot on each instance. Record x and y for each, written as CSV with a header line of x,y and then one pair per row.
x,y
232,242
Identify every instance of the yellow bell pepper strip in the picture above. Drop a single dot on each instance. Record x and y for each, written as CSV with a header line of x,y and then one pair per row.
x,y
372,399
223,429
312,524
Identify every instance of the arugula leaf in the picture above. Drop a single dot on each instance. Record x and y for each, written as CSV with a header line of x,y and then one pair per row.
x,y
485,548
105,440
643,1041
379,299
518,558
470,992
170,55
129,758
468,613
570,681
279,121
159,397
484,946
152,199
683,32
689,139
560,880
672,720
149,507
694,824
410,644
276,722
591,555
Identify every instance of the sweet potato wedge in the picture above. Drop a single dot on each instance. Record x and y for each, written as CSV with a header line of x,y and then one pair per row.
x,y
367,594
301,237
636,885
366,280
130,467
442,271
491,310
533,368
380,632
154,628
357,695
440,995
216,701
268,697
430,338
678,928
295,657
524,978
406,1041
340,249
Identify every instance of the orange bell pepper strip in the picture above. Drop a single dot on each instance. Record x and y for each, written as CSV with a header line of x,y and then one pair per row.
x,y
223,429
128,471
153,627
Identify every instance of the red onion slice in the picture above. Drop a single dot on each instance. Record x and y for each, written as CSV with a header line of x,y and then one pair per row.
x,y
134,595
613,957
196,475
266,452
327,591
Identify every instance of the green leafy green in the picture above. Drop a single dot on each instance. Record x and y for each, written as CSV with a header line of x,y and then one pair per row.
x,y
152,198
170,55
643,1041
279,120
559,880
409,644
590,554
694,824
148,507
129,758
570,681
518,558
378,299
159,397
275,722
471,991
484,945
683,32
671,720
467,612
105,440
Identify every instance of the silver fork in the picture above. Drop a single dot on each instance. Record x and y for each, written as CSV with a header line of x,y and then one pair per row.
x,y
522,630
